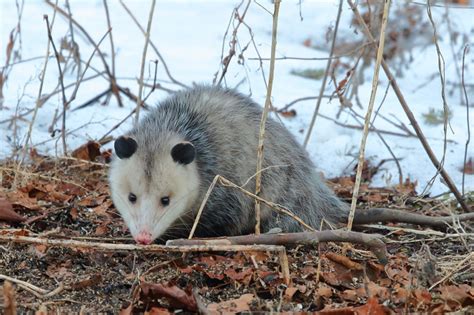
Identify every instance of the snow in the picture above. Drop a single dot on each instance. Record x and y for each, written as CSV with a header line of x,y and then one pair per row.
x,y
189,36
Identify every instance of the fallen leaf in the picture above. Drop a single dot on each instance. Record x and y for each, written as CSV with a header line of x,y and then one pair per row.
x,y
289,292
89,282
241,304
243,276
345,261
7,213
9,299
288,113
372,307
459,294
324,291
468,167
176,296
88,151
307,42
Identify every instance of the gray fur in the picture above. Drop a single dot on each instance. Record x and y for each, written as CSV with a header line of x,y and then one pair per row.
x,y
223,126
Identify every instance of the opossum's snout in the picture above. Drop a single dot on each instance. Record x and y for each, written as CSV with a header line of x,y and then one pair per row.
x,y
144,238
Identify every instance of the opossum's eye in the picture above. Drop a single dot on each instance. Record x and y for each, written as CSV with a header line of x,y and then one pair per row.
x,y
165,201
183,153
132,197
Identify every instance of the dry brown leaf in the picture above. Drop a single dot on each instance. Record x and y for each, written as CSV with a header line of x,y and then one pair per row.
x,y
468,167
372,307
88,151
9,298
243,276
21,198
241,304
88,282
324,291
158,311
7,213
289,292
458,294
349,295
176,296
307,42
288,113
345,261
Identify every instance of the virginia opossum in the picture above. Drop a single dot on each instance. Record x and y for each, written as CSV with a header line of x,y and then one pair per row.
x,y
167,162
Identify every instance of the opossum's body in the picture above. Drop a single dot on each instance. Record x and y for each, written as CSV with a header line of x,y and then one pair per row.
x,y
168,180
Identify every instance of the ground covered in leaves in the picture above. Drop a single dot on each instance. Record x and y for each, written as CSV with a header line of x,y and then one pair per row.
x,y
68,199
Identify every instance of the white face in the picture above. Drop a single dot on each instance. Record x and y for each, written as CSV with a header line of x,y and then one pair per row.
x,y
149,206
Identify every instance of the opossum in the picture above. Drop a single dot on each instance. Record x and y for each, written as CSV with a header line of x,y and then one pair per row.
x,y
164,166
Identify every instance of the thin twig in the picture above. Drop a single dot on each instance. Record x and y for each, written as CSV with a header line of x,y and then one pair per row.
x,y
109,25
37,105
142,68
112,79
258,178
61,81
464,167
411,117
442,78
373,93
468,258
326,74
157,52
226,61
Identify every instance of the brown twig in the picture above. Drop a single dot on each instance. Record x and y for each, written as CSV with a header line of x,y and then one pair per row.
x,y
326,74
373,215
147,248
442,78
263,121
374,242
61,80
112,80
226,61
411,117
157,52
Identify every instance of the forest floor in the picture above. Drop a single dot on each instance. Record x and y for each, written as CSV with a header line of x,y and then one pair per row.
x,y
67,199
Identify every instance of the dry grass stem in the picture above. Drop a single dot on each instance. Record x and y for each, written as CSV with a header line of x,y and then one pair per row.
x,y
157,52
373,93
258,178
38,104
468,140
142,67
326,74
468,259
411,116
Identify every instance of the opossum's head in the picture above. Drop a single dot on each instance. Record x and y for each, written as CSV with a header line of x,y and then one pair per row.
x,y
152,191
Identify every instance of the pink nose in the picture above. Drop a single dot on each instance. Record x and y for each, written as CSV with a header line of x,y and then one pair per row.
x,y
144,238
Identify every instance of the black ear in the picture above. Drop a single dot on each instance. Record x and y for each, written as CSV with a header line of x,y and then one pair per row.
x,y
125,147
183,153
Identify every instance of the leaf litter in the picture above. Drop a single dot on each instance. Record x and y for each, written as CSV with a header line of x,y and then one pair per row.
x,y
69,199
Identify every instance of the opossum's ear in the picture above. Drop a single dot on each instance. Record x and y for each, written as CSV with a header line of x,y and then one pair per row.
x,y
183,153
125,147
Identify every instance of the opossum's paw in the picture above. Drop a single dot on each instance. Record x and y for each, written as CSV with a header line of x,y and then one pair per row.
x,y
274,230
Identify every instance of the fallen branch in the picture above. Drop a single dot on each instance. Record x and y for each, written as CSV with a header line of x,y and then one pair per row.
x,y
365,216
374,242
153,248
36,291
